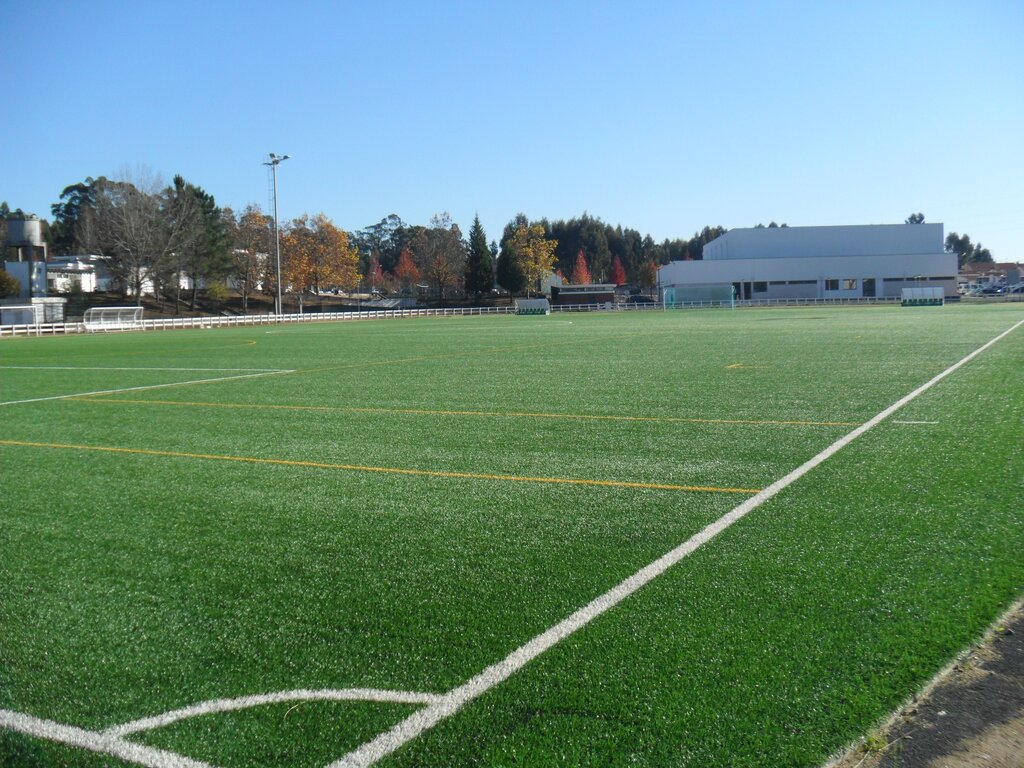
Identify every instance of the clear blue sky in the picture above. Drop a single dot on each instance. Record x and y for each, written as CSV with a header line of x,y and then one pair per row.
x,y
661,116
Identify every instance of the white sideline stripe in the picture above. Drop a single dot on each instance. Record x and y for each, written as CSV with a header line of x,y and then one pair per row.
x,y
137,389
215,706
151,757
123,368
424,719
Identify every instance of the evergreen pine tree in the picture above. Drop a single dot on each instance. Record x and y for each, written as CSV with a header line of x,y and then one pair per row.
x,y
510,276
479,276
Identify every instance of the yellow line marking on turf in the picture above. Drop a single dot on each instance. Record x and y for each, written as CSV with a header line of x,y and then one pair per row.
x,y
381,470
734,366
489,414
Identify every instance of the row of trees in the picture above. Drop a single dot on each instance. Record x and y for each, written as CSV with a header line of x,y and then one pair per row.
x,y
966,251
146,232
172,235
612,252
151,233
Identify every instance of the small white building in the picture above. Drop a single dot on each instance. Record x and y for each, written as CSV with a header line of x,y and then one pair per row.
x,y
87,272
68,273
765,263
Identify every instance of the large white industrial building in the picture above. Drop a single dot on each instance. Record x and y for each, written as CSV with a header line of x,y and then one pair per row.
x,y
813,262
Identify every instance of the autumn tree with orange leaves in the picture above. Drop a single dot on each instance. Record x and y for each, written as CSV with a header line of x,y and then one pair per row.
x,y
534,253
406,272
581,272
316,255
618,273
251,239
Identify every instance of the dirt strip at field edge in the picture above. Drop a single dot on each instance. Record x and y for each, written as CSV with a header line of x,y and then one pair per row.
x,y
972,717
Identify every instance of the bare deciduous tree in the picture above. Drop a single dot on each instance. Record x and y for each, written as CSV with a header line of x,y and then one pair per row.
x,y
441,253
137,228
251,235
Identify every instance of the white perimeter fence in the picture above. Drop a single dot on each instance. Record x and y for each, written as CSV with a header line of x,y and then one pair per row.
x,y
171,323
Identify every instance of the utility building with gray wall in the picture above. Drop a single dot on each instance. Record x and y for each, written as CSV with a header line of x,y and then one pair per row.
x,y
765,263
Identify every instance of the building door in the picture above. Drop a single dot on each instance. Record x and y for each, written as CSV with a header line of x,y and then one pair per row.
x,y
868,287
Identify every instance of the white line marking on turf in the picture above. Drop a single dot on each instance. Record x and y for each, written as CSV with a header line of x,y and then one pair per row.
x,y
151,757
112,741
123,368
148,386
438,707
244,702
424,719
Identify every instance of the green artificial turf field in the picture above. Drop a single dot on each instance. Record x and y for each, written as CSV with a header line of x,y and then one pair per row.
x,y
376,529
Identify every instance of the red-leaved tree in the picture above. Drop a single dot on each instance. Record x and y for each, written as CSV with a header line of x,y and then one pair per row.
x,y
374,273
618,273
406,271
581,272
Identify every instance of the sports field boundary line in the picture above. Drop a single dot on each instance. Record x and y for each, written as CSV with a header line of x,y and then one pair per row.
x,y
381,470
94,741
453,701
146,386
216,706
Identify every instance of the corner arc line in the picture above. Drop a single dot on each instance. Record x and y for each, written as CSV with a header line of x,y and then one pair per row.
x,y
216,706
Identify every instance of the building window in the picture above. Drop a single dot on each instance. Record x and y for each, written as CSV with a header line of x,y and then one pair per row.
x,y
832,284
849,283
760,287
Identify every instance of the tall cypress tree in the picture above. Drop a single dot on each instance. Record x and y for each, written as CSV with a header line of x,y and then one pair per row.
x,y
510,277
479,276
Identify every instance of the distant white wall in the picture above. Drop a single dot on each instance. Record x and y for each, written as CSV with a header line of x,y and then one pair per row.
x,y
812,242
838,267
820,262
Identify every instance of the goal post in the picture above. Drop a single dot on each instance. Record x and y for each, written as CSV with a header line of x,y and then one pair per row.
x,y
19,314
113,319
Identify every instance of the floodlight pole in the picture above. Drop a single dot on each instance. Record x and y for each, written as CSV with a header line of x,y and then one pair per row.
x,y
275,160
